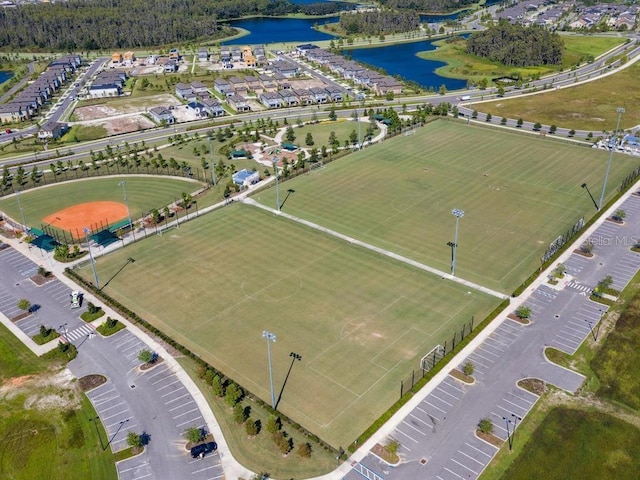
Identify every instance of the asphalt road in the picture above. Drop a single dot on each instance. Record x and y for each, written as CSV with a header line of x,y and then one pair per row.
x,y
155,401
437,438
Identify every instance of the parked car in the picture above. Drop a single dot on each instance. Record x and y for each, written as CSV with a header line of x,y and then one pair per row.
x,y
8,130
202,449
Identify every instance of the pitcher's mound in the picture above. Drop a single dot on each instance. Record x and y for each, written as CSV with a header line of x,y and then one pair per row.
x,y
93,215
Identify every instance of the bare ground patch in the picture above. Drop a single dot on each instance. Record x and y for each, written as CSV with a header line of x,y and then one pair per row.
x,y
124,105
127,124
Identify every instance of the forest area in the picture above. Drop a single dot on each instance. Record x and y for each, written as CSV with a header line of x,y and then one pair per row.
x,y
516,45
119,24
426,6
383,22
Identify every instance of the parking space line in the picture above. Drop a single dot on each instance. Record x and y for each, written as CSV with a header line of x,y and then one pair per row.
x,y
477,449
193,420
185,413
161,380
169,384
181,406
443,401
216,477
444,391
116,414
133,468
142,476
414,428
484,358
162,370
102,410
437,408
451,471
172,392
203,469
177,398
408,436
101,394
470,457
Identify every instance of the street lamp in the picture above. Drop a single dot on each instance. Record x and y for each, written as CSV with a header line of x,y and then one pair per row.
x,y
511,433
584,185
612,145
270,337
64,326
458,214
275,168
213,163
126,201
93,263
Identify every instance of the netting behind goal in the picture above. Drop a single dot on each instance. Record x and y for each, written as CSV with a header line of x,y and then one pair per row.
x,y
430,359
315,166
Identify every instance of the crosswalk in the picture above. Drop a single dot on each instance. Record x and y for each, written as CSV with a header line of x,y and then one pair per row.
x,y
79,332
578,286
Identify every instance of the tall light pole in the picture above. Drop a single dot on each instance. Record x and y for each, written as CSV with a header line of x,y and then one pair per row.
x,y
24,222
270,337
213,163
275,168
123,184
458,214
612,146
584,185
93,263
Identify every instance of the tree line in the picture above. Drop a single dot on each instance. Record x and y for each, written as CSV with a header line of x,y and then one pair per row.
x,y
119,24
380,22
438,6
517,45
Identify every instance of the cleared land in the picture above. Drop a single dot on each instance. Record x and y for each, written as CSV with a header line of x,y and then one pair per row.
x,y
590,106
143,194
518,192
573,443
360,321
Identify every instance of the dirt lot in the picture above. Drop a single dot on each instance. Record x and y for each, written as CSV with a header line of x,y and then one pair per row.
x,y
134,123
121,105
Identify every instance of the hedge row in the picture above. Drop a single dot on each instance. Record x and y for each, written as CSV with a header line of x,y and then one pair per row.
x,y
132,316
426,378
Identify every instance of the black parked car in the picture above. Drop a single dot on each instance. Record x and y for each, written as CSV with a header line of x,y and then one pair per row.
x,y
202,449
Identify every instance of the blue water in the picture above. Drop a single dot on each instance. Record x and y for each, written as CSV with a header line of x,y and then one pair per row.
x,y
4,76
401,60
275,30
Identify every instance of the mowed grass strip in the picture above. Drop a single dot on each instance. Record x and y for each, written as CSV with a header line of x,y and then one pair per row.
x,y
589,106
573,443
518,193
143,194
360,321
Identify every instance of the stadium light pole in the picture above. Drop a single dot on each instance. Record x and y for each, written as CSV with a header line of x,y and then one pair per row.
x,y
515,424
620,111
24,222
123,184
270,337
584,185
93,263
458,214
275,168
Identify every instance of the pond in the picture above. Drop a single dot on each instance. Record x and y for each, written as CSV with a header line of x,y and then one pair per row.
x,y
4,76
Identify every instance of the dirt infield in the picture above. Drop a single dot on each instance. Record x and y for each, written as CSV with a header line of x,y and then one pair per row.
x,y
77,217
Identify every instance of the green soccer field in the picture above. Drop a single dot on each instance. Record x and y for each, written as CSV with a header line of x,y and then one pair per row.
x,y
360,321
518,193
143,194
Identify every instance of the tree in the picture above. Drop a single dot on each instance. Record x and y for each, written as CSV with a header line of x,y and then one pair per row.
x,y
488,118
353,137
193,434
524,312
274,424
537,126
239,413
233,394
483,83
252,427
217,386
134,440
44,331
519,123
501,91
605,283
559,271
147,356
468,368
474,114
332,114
24,304
485,425
619,215
443,89
309,140
290,134
552,129
572,132
503,121
283,443
586,247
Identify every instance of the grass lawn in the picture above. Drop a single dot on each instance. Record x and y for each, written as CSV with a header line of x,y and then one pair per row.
x,y
321,131
53,438
460,64
143,194
84,133
590,106
518,192
573,443
360,321
617,362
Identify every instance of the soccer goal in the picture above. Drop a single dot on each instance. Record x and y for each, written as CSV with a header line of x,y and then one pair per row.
x,y
410,132
315,166
430,359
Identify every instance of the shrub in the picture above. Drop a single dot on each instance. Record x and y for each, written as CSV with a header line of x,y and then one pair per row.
x,y
274,424
284,444
619,215
44,331
111,322
91,308
24,304
524,312
468,368
304,450
586,247
218,386
134,440
193,434
146,356
485,425
233,394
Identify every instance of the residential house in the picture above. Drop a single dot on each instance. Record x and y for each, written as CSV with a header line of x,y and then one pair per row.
x,y
199,89
387,85
271,99
184,92
222,86
285,68
260,55
152,59
289,98
335,93
162,115
116,58
268,83
52,130
170,66
128,58
238,103
320,95
174,54
238,85
305,97
203,54
197,108
225,55
213,107
236,54
12,113
106,90
249,60
253,84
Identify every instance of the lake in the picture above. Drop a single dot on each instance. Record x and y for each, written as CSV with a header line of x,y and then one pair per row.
x,y
4,76
276,30
401,60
